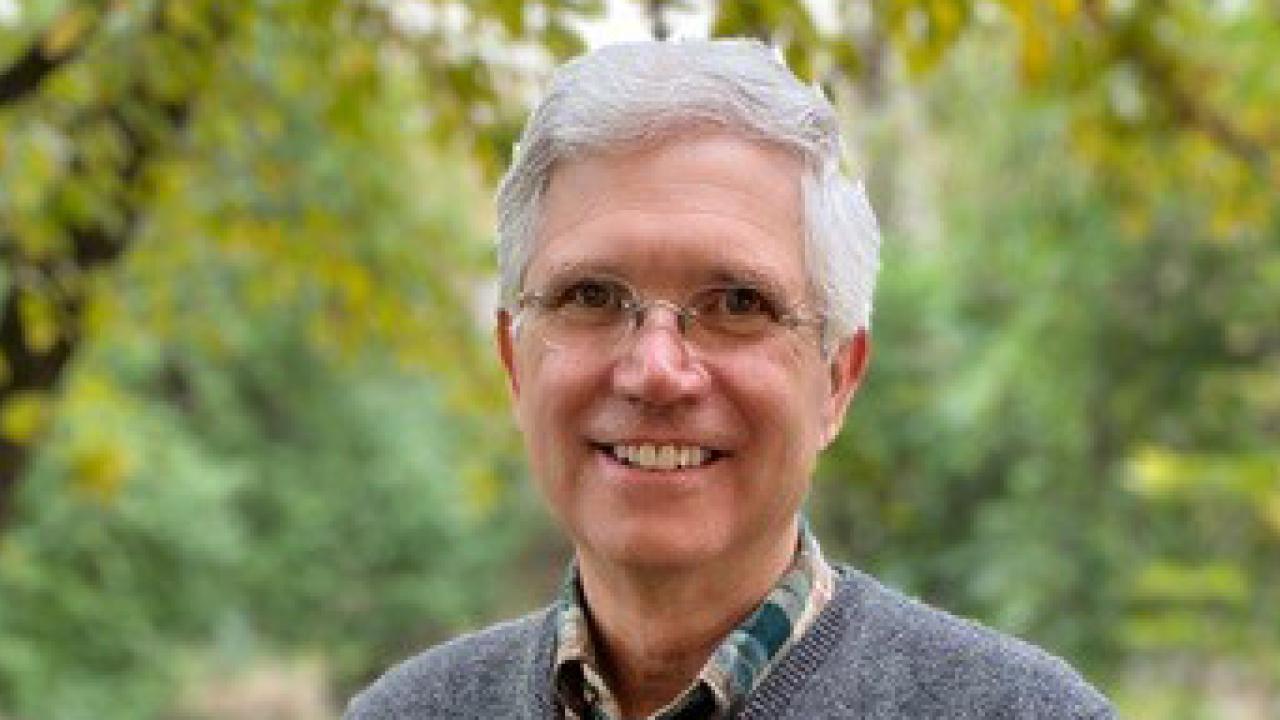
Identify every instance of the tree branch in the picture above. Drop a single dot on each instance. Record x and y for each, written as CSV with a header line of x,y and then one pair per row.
x,y
149,132
59,43
657,12
1193,113
1159,70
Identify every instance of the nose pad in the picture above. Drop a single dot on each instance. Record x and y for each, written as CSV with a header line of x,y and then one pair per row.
x,y
679,314
657,365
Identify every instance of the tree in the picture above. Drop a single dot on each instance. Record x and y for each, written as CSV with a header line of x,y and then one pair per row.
x,y
106,101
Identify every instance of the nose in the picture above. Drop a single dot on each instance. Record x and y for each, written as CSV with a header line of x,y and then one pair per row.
x,y
656,366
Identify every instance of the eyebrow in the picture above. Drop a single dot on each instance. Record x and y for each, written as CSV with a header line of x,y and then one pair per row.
x,y
745,275
719,273
573,268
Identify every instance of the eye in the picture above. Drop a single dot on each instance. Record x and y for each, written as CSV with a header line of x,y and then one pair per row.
x,y
736,311
590,294
742,301
588,302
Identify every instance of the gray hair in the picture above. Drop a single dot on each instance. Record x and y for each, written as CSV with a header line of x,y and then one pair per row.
x,y
633,92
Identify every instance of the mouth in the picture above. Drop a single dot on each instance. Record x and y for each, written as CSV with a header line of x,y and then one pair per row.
x,y
659,457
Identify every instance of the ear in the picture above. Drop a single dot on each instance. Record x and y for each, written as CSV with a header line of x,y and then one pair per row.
x,y
848,365
504,336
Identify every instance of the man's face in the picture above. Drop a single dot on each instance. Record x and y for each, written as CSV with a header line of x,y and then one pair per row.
x,y
669,219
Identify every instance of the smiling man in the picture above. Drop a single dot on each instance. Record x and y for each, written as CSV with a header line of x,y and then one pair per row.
x,y
687,278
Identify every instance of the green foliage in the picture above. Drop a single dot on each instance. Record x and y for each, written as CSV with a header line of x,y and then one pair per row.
x,y
281,432
1070,425
270,496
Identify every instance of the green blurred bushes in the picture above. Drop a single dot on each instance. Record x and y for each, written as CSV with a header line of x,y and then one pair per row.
x,y
273,504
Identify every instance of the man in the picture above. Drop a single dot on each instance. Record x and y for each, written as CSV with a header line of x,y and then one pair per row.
x,y
687,280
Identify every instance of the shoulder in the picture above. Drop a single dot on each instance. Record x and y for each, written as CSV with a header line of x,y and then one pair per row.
x,y
465,677
909,658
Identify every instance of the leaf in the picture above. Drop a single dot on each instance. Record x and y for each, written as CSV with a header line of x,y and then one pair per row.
x,y
800,60
562,41
1269,509
1066,10
99,469
39,321
845,57
24,416
1034,55
511,14
68,30
1221,581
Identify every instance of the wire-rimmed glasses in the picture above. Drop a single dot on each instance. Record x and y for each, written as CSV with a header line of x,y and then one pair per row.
x,y
598,313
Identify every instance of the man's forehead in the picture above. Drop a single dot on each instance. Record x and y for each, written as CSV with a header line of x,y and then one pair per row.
x,y
693,153
710,172
687,213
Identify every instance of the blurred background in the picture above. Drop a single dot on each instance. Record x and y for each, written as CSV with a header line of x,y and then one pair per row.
x,y
255,447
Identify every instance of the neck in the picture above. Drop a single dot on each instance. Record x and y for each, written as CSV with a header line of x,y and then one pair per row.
x,y
655,628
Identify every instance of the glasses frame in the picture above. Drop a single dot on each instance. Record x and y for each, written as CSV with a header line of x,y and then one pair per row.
x,y
636,308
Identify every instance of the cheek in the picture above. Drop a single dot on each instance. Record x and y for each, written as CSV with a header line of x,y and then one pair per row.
x,y
554,393
546,443
781,394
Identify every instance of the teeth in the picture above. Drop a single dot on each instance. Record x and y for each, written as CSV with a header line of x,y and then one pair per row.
x,y
662,457
667,457
646,455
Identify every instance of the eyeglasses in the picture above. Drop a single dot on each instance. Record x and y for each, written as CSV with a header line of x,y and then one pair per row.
x,y
597,313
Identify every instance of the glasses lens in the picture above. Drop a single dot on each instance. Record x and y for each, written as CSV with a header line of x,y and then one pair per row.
x,y
595,314
734,314
583,313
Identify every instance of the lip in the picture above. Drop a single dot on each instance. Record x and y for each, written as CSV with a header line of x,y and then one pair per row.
x,y
651,440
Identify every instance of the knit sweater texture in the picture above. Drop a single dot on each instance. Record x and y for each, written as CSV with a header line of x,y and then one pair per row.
x,y
871,653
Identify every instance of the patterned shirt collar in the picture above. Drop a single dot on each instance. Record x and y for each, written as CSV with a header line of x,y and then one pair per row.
x,y
736,667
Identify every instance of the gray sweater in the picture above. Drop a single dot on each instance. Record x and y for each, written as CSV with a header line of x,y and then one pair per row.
x,y
871,653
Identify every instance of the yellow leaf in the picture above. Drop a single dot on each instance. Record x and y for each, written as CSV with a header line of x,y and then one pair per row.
x,y
483,488
1172,629
1173,581
39,322
354,62
946,17
1156,473
100,470
1135,220
99,313
1269,508
1021,11
24,416
356,287
182,16
1035,55
67,31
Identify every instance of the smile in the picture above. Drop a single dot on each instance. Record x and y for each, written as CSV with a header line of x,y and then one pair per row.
x,y
650,456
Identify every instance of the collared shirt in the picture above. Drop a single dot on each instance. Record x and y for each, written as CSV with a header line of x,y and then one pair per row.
x,y
738,664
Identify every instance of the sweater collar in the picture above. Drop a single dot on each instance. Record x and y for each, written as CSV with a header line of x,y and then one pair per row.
x,y
736,667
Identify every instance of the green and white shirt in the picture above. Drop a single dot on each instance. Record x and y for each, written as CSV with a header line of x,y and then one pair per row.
x,y
738,664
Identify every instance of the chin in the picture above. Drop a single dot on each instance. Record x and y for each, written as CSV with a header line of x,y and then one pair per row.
x,y
645,543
